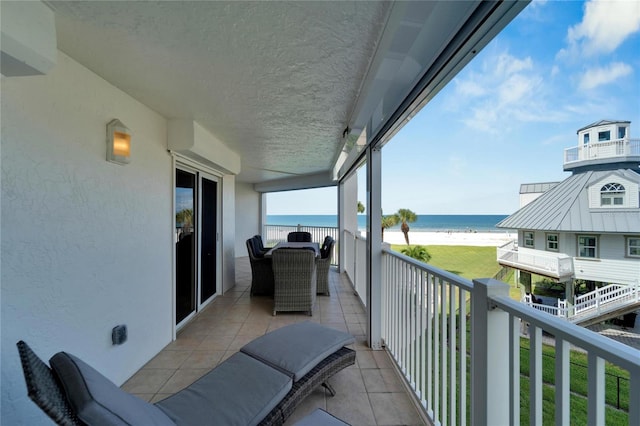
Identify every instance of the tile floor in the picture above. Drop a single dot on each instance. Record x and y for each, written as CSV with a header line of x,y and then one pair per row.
x,y
368,393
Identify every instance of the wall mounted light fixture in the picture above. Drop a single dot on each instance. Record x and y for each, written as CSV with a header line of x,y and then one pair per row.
x,y
118,142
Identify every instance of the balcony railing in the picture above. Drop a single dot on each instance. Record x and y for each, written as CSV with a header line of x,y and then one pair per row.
x,y
434,323
617,150
278,233
355,261
536,261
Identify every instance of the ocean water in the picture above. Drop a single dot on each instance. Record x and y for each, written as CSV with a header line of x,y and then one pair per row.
x,y
428,222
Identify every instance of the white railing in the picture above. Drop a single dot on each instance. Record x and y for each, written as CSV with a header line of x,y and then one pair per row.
x,y
605,299
559,310
545,263
278,233
603,150
355,261
506,313
591,305
426,327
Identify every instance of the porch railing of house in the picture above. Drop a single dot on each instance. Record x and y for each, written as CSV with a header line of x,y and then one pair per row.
x,y
604,299
606,149
278,233
457,343
557,265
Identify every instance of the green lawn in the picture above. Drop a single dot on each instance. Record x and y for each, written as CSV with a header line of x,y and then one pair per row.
x,y
467,261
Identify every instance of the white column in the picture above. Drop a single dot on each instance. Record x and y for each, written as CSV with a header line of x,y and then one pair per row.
x,y
489,355
374,247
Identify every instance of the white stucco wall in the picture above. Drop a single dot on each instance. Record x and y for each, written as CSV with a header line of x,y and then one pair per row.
x,y
86,244
247,216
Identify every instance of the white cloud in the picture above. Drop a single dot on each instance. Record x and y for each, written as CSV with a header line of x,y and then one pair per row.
x,y
605,25
469,88
503,87
595,77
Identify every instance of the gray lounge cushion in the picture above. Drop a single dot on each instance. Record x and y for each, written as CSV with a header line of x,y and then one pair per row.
x,y
295,349
239,391
97,400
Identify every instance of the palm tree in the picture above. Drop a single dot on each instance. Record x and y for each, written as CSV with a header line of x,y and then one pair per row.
x,y
360,207
417,252
185,218
404,216
388,222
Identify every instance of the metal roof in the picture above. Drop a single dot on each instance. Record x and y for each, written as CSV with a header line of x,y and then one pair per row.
x,y
565,207
528,188
603,123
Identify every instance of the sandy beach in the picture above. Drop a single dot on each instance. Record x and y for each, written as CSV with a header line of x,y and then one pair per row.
x,y
445,238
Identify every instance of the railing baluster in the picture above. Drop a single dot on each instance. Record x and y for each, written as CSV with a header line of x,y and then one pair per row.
x,y
436,346
462,359
535,375
514,364
562,400
430,284
452,354
443,350
595,407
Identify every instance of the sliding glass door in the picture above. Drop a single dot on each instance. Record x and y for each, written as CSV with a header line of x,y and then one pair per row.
x,y
196,239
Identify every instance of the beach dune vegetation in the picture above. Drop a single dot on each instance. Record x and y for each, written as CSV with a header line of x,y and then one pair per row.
x,y
417,252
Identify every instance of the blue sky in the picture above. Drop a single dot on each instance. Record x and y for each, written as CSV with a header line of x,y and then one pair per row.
x,y
507,117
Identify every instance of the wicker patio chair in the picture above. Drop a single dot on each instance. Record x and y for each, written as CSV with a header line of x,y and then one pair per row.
x,y
324,263
261,270
299,237
294,272
259,244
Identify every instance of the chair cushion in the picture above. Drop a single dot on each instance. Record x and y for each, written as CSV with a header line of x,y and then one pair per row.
x,y
295,349
239,391
97,400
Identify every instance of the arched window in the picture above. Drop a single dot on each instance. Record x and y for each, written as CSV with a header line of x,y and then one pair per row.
x,y
612,194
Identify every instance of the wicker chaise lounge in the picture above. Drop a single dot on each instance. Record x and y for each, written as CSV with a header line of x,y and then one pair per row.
x,y
262,384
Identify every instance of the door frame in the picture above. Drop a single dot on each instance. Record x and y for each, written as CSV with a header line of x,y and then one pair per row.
x,y
209,176
182,163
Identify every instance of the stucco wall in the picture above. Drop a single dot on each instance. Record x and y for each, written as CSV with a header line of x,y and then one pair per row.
x,y
86,244
247,216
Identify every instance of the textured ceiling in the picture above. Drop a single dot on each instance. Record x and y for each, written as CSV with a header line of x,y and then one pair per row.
x,y
275,81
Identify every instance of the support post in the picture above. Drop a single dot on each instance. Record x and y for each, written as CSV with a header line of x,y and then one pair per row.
x,y
374,247
489,355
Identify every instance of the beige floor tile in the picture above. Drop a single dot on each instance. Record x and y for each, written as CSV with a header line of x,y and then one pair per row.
x,y
148,380
381,380
394,409
169,359
353,408
181,379
216,343
204,359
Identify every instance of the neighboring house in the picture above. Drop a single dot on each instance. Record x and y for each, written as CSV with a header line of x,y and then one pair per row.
x,y
531,191
586,227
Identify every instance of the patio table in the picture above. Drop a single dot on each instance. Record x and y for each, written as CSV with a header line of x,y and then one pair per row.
x,y
314,246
